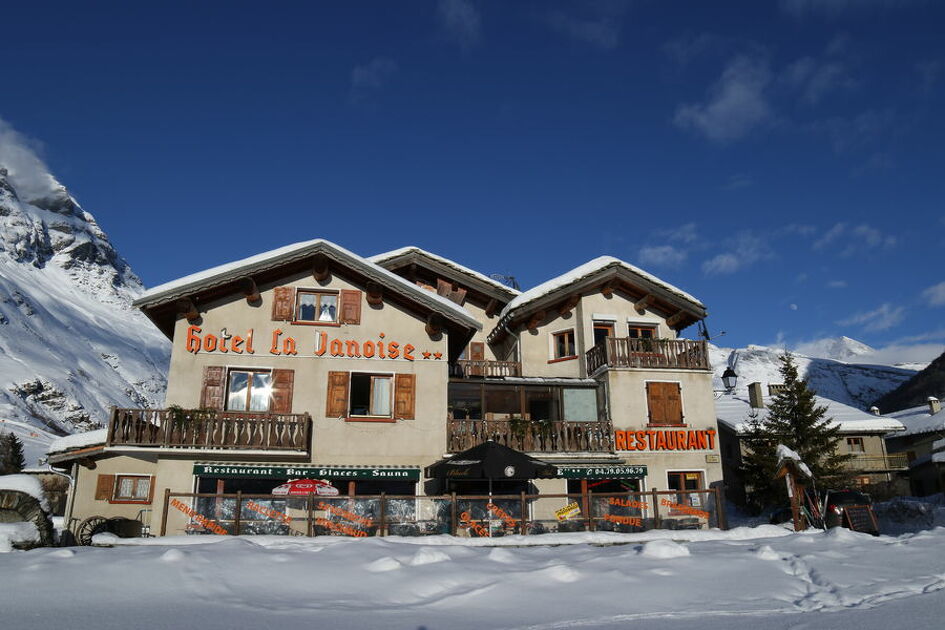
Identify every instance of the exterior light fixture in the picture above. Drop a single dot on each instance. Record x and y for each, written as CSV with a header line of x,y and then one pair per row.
x,y
729,379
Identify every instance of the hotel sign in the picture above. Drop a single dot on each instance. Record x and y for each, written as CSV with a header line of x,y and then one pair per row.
x,y
233,471
601,472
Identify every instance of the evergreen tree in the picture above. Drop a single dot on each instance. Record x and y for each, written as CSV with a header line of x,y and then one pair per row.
x,y
12,460
794,419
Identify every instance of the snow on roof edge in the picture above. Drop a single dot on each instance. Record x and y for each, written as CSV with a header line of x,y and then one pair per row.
x,y
733,412
77,441
394,253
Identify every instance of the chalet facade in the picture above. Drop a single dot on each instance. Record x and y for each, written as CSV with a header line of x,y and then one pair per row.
x,y
312,362
922,445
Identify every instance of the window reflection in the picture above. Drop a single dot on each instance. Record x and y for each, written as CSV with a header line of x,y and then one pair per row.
x,y
249,391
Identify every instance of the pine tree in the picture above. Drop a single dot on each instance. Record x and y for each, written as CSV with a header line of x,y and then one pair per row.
x,y
12,460
794,419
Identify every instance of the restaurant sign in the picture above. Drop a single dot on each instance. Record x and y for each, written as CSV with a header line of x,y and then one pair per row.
x,y
236,471
601,472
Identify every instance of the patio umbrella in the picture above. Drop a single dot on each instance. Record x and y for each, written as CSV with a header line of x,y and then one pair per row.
x,y
302,487
491,460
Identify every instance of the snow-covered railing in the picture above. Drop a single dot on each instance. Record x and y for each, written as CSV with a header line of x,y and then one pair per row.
x,y
557,436
495,369
179,428
673,354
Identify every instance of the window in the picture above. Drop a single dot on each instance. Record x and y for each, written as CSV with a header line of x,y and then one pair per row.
x,y
135,488
602,330
564,344
664,401
686,480
580,405
370,395
249,390
855,445
641,331
316,306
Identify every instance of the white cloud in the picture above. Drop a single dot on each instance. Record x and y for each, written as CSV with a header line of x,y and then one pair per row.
x,y
737,181
685,233
814,78
686,48
935,294
837,284
857,133
20,157
793,307
882,318
372,76
735,105
744,249
601,31
662,256
848,240
721,264
460,21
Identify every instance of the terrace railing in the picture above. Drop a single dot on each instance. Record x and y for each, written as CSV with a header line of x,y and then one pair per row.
x,y
557,436
464,368
209,429
877,463
669,354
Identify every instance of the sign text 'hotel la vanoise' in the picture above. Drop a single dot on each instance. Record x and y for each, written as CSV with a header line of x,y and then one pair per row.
x,y
280,344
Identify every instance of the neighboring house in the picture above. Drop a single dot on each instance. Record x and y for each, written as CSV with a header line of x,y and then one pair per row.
x,y
922,443
311,361
872,467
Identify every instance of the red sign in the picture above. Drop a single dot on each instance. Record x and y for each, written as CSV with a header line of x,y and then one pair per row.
x,y
303,487
665,440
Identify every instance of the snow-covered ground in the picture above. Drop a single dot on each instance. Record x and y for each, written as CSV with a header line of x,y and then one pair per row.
x,y
747,578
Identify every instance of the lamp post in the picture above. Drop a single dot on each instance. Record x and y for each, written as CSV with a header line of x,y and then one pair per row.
x,y
729,379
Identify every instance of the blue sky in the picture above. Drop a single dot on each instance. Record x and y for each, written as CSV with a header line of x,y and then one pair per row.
x,y
783,161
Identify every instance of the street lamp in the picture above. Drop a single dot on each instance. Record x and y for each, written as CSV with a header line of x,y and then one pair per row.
x,y
729,379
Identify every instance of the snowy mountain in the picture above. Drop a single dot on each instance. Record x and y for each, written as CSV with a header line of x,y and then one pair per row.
x,y
836,349
71,346
851,383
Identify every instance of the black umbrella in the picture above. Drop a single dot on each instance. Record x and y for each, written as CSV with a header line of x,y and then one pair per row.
x,y
490,460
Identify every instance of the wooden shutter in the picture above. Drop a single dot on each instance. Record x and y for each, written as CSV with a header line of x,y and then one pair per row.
x,y
350,311
665,403
443,287
477,351
337,399
104,487
283,383
283,304
405,396
211,397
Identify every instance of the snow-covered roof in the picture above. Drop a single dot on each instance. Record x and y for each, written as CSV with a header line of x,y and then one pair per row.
x,y
938,451
733,411
411,249
27,484
918,420
228,272
591,268
784,452
77,440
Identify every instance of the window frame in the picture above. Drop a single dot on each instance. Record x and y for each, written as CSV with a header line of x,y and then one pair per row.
x,y
608,325
641,326
554,345
137,477
372,417
249,390
318,292
853,440
702,497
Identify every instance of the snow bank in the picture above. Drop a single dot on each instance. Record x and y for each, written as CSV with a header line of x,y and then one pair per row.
x,y
16,533
78,440
28,484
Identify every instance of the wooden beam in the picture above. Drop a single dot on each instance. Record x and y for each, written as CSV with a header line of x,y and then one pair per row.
x,y
434,324
492,307
187,308
568,305
375,294
320,268
250,290
609,287
675,319
536,319
644,302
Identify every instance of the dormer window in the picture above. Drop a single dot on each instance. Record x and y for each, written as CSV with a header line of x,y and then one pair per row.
x,y
316,306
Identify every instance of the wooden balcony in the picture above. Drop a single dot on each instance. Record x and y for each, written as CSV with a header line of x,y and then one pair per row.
x,y
189,429
533,437
648,354
465,368
877,463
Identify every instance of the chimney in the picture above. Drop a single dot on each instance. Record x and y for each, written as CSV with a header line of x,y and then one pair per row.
x,y
755,396
934,405
874,410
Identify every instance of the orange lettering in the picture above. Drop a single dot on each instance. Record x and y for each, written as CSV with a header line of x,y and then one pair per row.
x,y
351,347
249,342
660,441
323,345
274,349
408,352
380,349
641,440
621,440
236,343
210,343
681,440
393,350
368,349
288,346
336,348
193,340
703,441
693,441
711,433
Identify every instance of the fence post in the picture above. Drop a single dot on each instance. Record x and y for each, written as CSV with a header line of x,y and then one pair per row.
x,y
585,504
721,516
380,529
524,528
453,516
167,499
239,510
310,513
656,509
590,511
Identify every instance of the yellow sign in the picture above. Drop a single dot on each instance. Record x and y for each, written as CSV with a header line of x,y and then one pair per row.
x,y
569,511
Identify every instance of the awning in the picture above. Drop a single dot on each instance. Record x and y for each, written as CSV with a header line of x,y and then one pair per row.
x,y
262,471
491,460
601,472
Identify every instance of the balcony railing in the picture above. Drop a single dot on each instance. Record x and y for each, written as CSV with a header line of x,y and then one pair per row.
x,y
672,354
536,437
464,368
878,463
184,429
